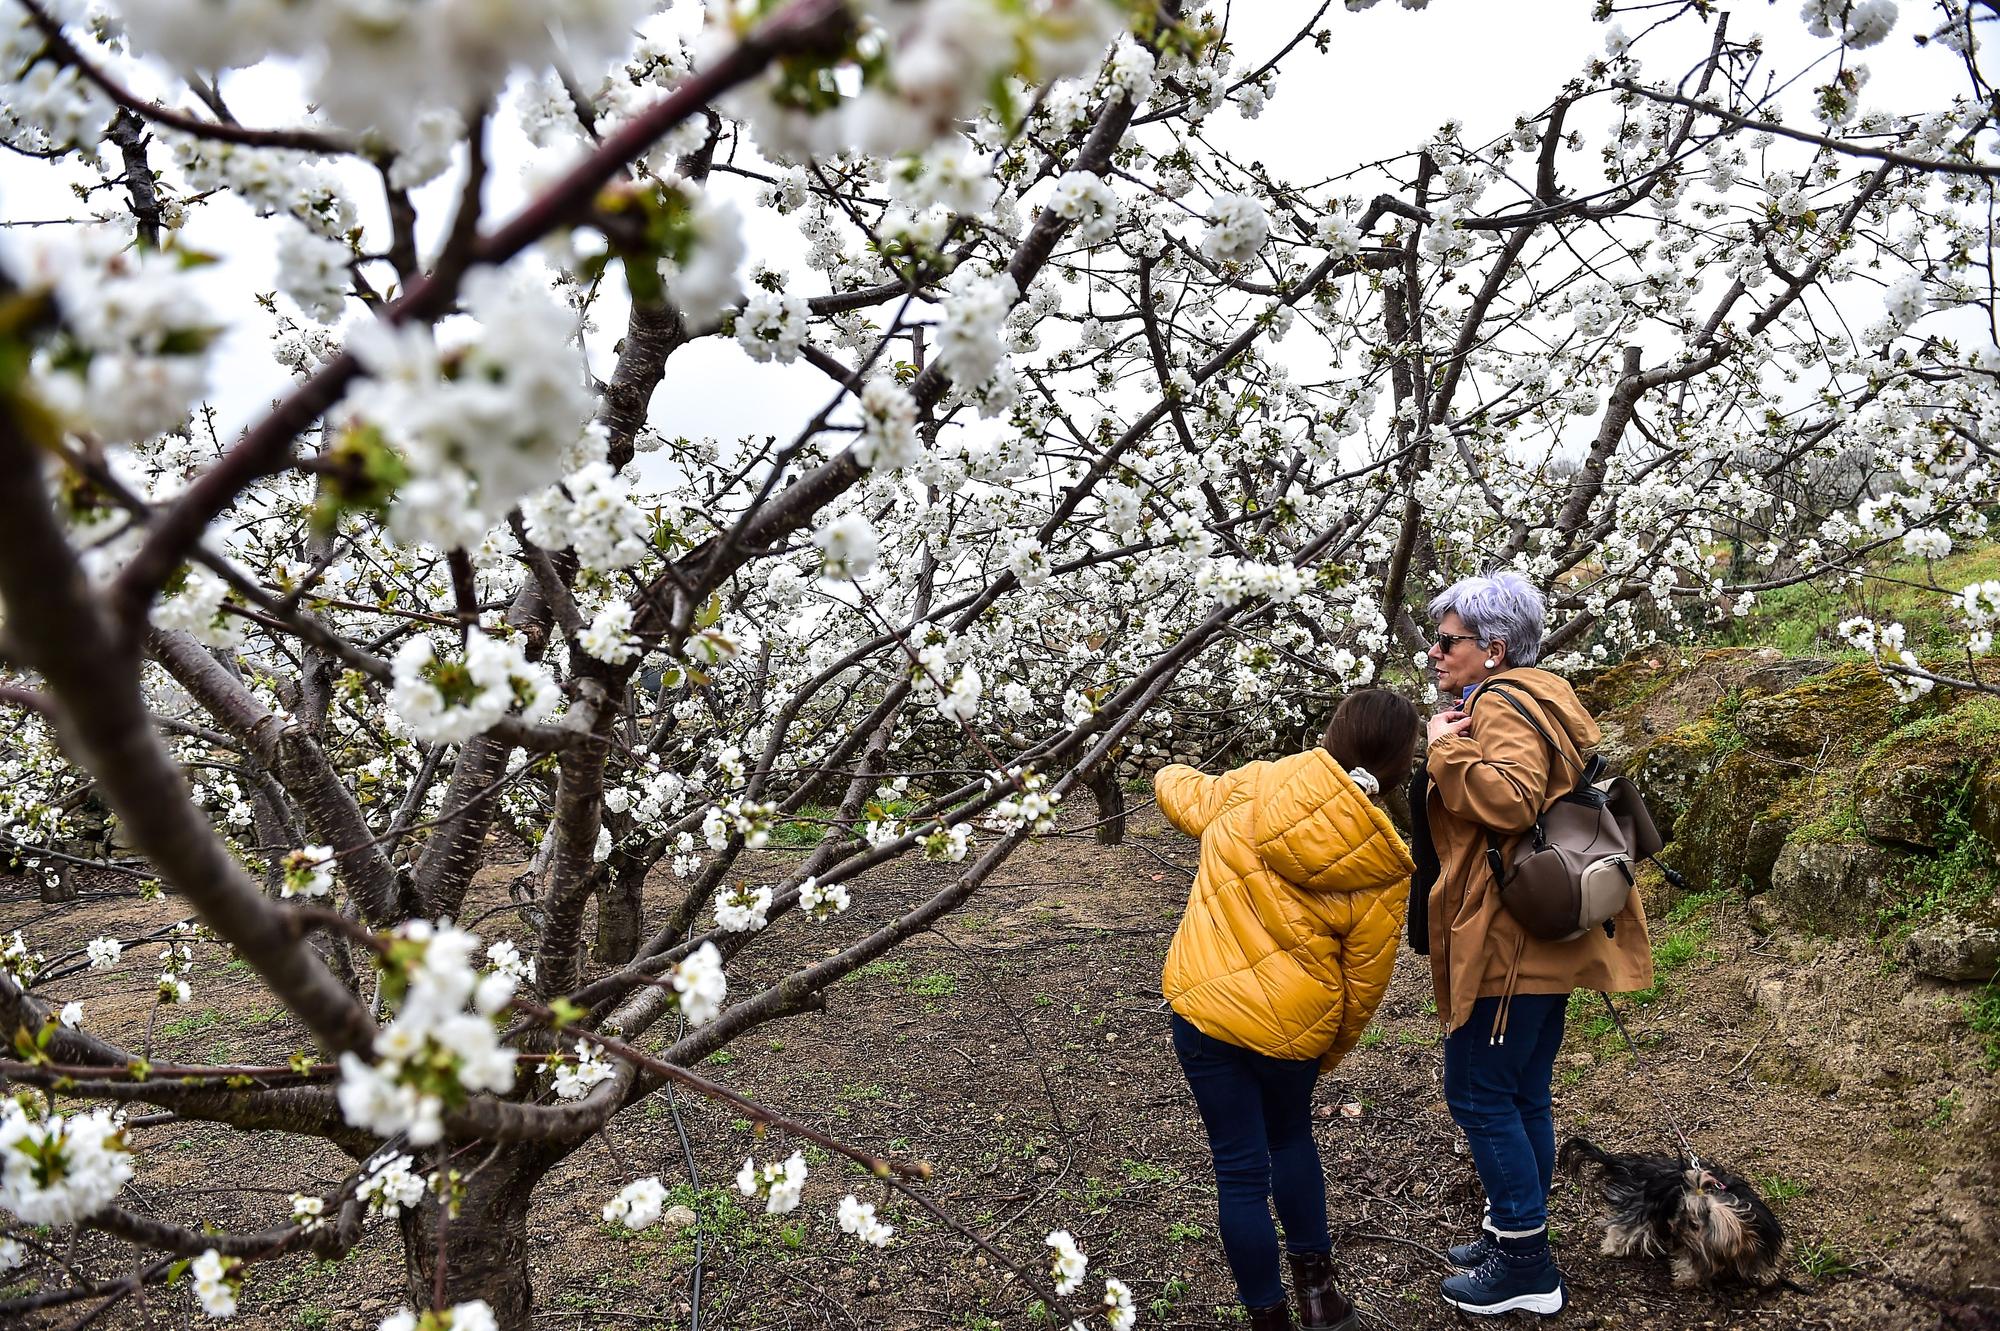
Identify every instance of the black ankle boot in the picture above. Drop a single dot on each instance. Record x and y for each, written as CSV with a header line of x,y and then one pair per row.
x,y
1322,1307
1277,1317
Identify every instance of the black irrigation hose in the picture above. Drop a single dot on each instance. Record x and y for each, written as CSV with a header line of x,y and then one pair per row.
x,y
694,1182
694,1185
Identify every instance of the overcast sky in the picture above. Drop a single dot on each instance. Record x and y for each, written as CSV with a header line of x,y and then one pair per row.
x,y
1388,78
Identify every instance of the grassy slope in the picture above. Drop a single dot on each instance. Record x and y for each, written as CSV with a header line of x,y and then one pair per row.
x,y
1800,620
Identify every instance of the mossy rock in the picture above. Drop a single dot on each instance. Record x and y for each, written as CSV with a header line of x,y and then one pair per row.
x,y
1928,779
1956,948
1831,715
1669,771
1983,805
1728,837
1761,844
1907,798
1633,680
1834,887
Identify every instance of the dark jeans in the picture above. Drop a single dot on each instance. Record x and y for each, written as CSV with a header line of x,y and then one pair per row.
x,y
1499,1096
1258,1112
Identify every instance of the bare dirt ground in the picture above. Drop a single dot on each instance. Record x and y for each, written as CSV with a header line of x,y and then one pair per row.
x,y
1024,1052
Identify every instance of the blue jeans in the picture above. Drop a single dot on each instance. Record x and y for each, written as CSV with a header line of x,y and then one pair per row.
x,y
1258,1113
1499,1097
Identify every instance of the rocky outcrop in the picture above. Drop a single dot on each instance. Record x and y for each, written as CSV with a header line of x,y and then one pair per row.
x,y
1804,783
1834,887
1955,949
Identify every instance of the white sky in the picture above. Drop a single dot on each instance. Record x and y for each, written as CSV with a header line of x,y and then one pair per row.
x,y
1388,79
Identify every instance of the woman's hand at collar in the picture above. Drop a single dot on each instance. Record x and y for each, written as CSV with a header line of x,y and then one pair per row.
x,y
1452,721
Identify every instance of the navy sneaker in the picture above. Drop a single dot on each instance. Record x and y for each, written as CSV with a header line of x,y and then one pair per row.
x,y
1520,1276
1471,1256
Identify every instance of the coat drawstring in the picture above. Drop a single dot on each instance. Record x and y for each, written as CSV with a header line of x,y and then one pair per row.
x,y
1505,1009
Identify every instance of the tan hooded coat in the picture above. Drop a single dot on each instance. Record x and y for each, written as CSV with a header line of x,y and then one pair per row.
x,y
1501,774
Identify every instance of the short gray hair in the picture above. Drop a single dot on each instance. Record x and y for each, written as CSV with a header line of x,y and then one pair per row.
x,y
1502,605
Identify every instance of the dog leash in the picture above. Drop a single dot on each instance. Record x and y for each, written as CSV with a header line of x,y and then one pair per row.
x,y
1638,1061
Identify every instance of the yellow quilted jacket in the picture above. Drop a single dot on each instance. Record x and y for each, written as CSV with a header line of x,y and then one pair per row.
x,y
1292,924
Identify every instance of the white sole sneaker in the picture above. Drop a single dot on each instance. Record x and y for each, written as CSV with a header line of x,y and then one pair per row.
x,y
1545,1304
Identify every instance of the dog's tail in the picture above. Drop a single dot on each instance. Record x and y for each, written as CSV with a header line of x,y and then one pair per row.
x,y
1579,1151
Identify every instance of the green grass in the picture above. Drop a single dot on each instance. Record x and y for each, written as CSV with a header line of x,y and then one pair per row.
x,y
933,985
1963,874
1821,1260
805,829
1371,1037
1141,1171
1984,1011
1779,1188
191,1024
1800,620
1182,1232
1680,939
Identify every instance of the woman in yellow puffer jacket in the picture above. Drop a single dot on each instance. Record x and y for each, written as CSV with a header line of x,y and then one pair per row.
x,y
1285,950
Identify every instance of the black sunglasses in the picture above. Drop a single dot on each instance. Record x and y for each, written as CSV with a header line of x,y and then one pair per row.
x,y
1447,641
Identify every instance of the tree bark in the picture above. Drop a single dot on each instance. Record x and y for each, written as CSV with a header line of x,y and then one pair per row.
x,y
485,1247
618,910
1110,795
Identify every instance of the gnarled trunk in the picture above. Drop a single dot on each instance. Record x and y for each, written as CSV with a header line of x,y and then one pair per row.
x,y
485,1248
1103,783
618,901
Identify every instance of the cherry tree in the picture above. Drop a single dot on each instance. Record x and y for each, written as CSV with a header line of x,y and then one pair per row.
x,y
1126,446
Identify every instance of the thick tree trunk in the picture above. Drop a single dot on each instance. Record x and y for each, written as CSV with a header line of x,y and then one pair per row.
x,y
618,910
1110,795
485,1246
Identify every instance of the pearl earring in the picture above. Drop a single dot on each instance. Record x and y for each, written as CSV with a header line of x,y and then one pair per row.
x,y
1490,663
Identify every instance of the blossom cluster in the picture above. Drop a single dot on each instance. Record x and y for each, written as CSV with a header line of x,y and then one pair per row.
x,y
481,427
56,1170
383,71
435,1051
391,1185
936,68
132,352
475,1315
49,106
592,513
1228,579
822,900
1887,641
1032,805
448,701
858,1218
308,872
217,1281
1067,1261
742,909
699,984
779,1183
637,1205
573,1078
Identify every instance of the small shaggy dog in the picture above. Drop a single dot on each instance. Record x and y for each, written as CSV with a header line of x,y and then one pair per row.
x,y
1705,1218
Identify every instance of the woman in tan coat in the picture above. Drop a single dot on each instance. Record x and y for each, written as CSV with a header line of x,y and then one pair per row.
x,y
1501,993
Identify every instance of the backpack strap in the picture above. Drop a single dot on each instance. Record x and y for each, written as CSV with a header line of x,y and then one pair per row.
x,y
1494,859
1586,773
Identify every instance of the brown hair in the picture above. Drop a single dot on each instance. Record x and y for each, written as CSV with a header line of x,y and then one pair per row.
x,y
1375,729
